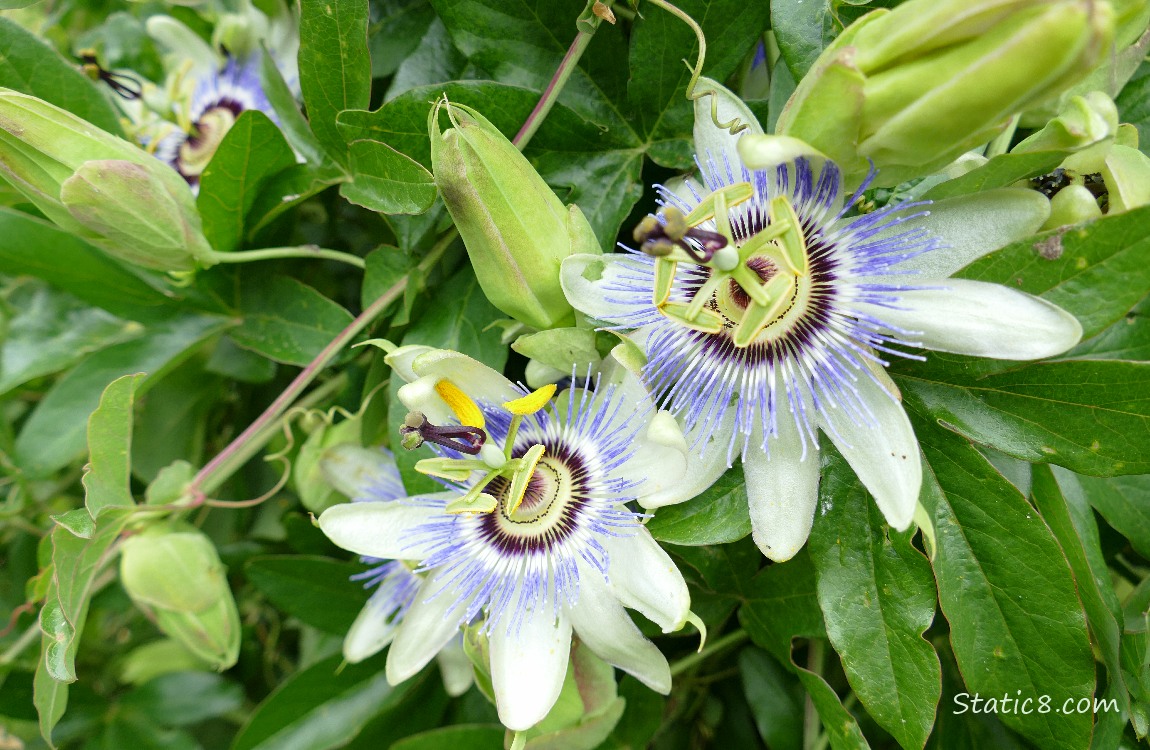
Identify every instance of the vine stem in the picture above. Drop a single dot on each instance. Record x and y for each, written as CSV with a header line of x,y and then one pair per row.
x,y
252,439
551,93
730,639
301,251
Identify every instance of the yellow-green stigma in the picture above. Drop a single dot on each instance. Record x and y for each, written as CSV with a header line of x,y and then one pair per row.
x,y
470,438
753,285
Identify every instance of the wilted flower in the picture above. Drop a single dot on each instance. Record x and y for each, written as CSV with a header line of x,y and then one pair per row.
x,y
767,312
515,228
535,540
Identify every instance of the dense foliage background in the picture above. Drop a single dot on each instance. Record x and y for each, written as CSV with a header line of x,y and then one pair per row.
x,y
1034,584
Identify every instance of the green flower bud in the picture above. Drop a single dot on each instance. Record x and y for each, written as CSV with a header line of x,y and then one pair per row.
x,y
1085,121
174,572
516,230
913,88
1126,173
1071,205
100,187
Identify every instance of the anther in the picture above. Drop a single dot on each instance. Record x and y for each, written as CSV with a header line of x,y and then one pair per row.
x,y
660,238
416,431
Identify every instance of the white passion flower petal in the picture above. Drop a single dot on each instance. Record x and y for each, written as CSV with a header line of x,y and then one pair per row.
x,y
382,529
709,457
659,458
782,490
455,667
643,577
591,282
716,106
881,448
401,358
431,621
481,383
968,227
984,320
601,622
368,634
528,663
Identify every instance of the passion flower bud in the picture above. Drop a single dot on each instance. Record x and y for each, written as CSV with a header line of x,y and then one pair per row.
x,y
913,88
100,187
516,230
174,572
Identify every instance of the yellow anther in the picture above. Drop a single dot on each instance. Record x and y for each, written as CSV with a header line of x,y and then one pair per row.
x,y
465,410
532,402
523,476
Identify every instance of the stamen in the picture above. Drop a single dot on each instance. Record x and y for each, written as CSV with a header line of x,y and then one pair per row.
x,y
416,430
532,402
522,477
661,238
465,410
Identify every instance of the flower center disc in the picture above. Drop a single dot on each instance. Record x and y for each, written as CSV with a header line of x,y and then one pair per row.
x,y
549,492
197,151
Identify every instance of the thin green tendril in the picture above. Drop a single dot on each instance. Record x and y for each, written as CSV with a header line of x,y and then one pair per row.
x,y
733,126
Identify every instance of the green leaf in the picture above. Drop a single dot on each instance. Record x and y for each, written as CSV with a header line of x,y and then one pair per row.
x,y
658,84
320,707
1001,171
1134,105
595,168
295,126
776,705
397,34
317,590
1089,416
37,248
719,515
1062,503
180,699
334,66
32,67
252,151
388,181
781,605
1129,338
522,42
51,331
877,597
841,728
1016,624
385,267
286,320
53,435
802,30
458,737
107,476
49,696
1096,271
76,562
172,424
1125,504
